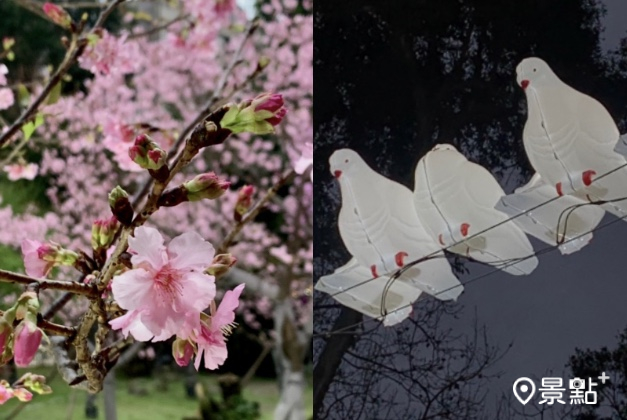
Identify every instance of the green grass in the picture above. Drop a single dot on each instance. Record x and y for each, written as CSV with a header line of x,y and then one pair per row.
x,y
172,404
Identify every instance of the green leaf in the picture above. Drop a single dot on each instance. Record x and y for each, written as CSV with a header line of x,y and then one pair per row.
x,y
54,95
39,120
23,95
28,129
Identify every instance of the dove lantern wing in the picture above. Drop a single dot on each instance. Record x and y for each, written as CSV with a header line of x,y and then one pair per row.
x,y
567,221
455,199
382,232
569,138
351,286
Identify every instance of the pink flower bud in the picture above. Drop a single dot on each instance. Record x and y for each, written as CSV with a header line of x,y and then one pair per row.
x,y
182,351
244,201
257,116
6,393
146,153
103,231
26,342
57,14
207,185
22,394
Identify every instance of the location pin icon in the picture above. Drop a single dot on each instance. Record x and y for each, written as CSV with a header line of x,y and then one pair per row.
x,y
525,392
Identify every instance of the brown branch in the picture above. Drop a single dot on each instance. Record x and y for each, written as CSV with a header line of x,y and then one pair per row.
x,y
158,28
56,329
76,49
253,212
42,284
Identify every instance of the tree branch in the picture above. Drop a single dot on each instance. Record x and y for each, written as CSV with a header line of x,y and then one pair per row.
x,y
42,284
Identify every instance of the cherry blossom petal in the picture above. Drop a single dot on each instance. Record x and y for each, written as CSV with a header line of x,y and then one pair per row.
x,y
226,311
190,251
131,323
133,289
148,247
214,354
197,292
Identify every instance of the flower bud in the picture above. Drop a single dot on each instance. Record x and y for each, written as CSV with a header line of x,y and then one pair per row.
x,y
26,342
221,264
102,232
206,185
146,153
27,304
6,393
257,116
7,43
121,206
244,202
36,383
182,350
22,394
57,14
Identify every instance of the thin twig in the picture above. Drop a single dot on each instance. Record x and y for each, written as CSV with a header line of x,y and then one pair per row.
x,y
253,212
72,287
76,49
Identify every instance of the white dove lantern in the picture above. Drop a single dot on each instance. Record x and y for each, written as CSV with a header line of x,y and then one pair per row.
x,y
381,230
455,199
352,286
566,222
570,137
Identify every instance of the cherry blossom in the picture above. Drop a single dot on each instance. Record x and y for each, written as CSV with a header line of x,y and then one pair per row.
x,y
210,339
17,171
6,98
165,286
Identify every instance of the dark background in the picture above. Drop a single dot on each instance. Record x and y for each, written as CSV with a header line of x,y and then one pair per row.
x,y
394,78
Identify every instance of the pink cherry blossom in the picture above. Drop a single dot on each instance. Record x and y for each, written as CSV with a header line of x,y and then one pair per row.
x,y
17,171
35,262
27,340
110,55
166,288
6,98
211,340
6,393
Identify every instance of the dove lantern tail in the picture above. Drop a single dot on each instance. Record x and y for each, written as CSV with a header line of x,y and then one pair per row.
x,y
382,232
455,199
569,138
566,222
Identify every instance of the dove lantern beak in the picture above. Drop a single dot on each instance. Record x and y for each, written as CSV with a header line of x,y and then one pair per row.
x,y
337,174
524,84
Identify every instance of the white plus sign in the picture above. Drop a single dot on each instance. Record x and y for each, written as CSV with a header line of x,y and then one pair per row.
x,y
603,377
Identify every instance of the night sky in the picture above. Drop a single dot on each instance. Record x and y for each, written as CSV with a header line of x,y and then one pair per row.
x,y
385,89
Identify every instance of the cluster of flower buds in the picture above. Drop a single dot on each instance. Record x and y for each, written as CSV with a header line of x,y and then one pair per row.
x,y
121,205
221,264
103,232
258,116
39,257
22,343
7,45
58,15
244,202
20,389
204,186
147,154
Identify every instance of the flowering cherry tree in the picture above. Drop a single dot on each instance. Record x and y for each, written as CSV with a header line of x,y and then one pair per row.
x,y
181,170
